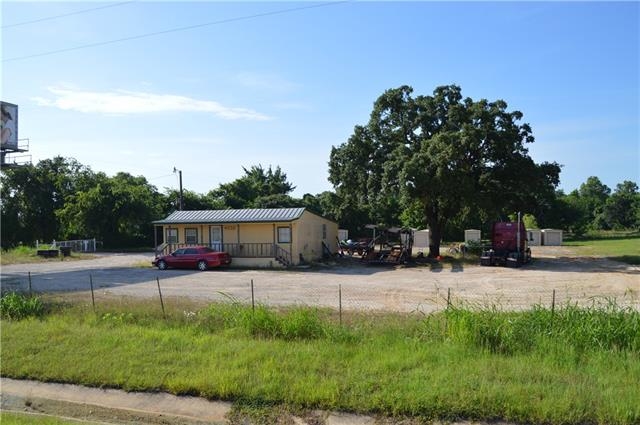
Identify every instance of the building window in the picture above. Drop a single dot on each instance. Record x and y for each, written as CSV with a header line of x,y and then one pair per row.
x,y
172,236
191,236
284,235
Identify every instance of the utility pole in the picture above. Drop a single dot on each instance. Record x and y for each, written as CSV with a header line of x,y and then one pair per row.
x,y
181,197
180,179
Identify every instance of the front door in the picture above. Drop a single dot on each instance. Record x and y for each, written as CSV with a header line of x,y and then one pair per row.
x,y
215,237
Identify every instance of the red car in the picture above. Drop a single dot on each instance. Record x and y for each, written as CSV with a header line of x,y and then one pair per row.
x,y
201,257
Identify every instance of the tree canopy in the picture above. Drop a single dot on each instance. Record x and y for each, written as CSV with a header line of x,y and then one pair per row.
x,y
62,199
425,160
258,188
386,175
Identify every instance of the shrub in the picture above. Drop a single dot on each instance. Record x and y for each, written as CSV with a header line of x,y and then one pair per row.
x,y
15,306
473,247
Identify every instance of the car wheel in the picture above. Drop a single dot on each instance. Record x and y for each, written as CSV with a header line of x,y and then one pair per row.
x,y
202,265
162,265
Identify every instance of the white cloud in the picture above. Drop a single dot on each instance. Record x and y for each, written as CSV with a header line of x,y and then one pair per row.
x,y
128,102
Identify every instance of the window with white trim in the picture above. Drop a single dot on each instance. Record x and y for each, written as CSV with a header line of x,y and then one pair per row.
x,y
191,235
284,235
172,236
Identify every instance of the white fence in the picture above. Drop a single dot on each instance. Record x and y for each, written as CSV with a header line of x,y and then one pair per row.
x,y
80,245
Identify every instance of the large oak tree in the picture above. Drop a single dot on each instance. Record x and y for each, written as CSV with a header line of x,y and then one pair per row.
x,y
436,157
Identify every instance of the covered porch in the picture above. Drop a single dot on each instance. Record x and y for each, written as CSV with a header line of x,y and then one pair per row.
x,y
264,237
258,254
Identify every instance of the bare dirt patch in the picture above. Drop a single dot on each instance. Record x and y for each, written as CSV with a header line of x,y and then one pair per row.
x,y
422,287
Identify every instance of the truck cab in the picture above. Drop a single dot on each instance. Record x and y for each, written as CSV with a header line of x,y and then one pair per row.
x,y
509,246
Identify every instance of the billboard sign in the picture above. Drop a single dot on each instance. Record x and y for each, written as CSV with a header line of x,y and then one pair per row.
x,y
9,127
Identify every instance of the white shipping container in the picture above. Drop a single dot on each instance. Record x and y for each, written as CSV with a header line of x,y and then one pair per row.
x,y
551,237
535,237
343,234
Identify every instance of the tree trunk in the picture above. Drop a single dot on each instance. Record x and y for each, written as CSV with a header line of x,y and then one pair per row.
x,y
435,236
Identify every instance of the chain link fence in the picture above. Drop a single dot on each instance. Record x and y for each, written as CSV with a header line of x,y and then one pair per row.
x,y
422,297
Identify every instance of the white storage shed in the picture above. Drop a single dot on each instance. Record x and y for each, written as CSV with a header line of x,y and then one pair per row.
x,y
472,235
343,234
421,241
551,237
535,237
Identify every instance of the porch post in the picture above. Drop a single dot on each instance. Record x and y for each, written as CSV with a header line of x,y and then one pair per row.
x,y
274,251
293,260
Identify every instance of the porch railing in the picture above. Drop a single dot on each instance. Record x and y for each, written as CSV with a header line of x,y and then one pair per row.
x,y
237,250
283,256
250,250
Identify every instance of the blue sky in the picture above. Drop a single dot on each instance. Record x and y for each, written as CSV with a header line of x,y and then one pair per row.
x,y
258,87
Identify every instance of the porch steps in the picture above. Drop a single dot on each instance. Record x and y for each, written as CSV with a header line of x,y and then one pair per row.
x,y
282,260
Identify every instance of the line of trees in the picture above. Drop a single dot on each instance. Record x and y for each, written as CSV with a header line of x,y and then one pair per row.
x,y
594,206
441,162
61,199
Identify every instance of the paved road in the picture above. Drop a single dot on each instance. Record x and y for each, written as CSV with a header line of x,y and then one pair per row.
x,y
405,289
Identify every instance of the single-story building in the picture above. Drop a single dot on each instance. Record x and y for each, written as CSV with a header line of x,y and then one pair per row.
x,y
269,237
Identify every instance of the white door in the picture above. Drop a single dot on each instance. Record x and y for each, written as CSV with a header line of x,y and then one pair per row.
x,y
215,237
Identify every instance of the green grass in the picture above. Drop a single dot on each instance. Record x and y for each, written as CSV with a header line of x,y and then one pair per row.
x,y
570,366
17,306
27,254
15,418
617,246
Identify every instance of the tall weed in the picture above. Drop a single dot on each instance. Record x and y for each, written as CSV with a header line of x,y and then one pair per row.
x,y
602,326
263,322
15,306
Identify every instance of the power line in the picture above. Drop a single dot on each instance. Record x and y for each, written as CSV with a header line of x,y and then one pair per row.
x,y
189,27
78,12
162,177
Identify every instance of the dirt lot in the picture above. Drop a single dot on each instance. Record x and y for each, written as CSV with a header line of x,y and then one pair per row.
x,y
423,287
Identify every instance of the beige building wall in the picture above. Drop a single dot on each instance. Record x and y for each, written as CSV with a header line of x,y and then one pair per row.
x,y
256,233
312,230
230,233
307,235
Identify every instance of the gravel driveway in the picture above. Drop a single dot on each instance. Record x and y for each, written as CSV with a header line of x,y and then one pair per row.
x,y
424,287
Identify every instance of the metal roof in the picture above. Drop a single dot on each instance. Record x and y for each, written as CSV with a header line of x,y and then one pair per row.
x,y
260,215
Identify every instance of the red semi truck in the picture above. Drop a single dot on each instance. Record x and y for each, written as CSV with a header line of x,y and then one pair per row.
x,y
509,246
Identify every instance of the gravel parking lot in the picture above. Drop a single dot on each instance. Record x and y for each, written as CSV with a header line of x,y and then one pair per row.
x,y
423,287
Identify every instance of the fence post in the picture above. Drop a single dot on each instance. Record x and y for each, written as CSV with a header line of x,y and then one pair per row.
x,y
253,299
161,302
29,283
340,302
553,303
448,298
93,298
